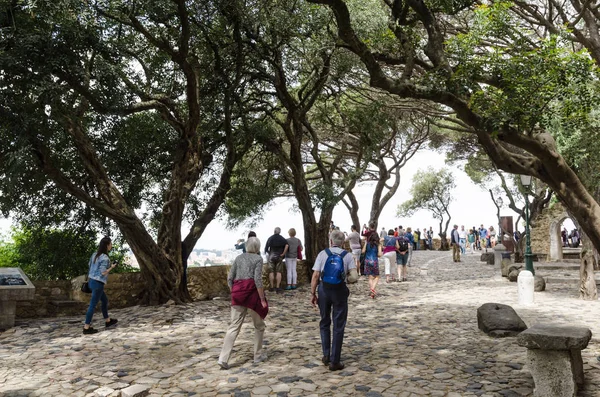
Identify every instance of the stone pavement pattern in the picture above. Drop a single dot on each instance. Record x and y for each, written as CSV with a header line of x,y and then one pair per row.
x,y
417,338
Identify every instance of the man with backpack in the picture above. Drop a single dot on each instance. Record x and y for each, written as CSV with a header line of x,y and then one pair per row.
x,y
333,268
402,256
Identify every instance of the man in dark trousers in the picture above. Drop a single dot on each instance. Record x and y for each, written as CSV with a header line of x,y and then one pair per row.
x,y
455,242
276,248
333,268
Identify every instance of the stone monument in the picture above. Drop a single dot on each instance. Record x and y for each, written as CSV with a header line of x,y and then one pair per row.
x,y
14,286
499,249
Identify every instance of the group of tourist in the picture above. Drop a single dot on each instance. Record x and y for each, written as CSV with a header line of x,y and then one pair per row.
x,y
416,238
573,236
278,249
333,268
473,239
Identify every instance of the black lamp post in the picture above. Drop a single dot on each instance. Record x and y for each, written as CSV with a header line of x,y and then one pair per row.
x,y
500,234
526,182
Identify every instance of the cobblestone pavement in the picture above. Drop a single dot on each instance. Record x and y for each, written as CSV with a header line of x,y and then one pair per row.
x,y
417,338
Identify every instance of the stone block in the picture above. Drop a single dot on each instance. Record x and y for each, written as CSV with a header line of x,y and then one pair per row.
x,y
496,316
487,257
135,391
506,263
539,284
552,373
7,314
553,337
514,275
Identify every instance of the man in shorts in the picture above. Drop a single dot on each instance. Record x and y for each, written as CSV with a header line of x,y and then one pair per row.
x,y
276,248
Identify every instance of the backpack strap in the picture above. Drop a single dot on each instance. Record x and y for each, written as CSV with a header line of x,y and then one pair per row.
x,y
328,252
343,253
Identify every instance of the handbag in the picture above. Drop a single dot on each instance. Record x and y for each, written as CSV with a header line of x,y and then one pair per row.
x,y
299,253
85,287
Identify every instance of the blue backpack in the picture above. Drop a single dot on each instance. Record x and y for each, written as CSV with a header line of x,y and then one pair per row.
x,y
333,271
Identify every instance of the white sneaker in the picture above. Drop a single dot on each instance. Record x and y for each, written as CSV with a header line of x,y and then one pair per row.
x,y
223,365
260,358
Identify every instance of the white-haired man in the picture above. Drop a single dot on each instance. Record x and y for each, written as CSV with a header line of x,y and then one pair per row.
x,y
333,268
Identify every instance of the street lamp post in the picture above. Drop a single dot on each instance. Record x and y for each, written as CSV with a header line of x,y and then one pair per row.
x,y
526,182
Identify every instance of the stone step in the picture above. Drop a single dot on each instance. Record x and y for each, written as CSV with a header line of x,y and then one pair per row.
x,y
66,307
555,266
567,280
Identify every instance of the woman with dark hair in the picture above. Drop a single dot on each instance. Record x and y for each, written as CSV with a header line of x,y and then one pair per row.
x,y
372,251
98,276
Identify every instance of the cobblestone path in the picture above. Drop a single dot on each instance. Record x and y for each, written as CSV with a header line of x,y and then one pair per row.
x,y
417,338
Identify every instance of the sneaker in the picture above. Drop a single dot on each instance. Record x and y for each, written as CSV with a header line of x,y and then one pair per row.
x,y
223,365
336,366
288,288
278,290
260,358
112,322
271,289
89,331
294,287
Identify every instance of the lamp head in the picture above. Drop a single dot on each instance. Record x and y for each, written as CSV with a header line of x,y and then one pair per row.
x,y
526,180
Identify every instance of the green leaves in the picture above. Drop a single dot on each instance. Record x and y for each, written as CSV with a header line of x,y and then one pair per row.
x,y
49,254
431,191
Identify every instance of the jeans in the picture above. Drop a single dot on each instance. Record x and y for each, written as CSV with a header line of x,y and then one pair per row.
x,y
463,243
97,295
336,298
430,243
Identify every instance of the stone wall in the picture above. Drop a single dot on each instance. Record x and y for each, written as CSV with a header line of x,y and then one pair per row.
x,y
63,298
546,222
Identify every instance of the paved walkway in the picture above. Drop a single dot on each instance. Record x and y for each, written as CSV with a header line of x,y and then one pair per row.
x,y
418,338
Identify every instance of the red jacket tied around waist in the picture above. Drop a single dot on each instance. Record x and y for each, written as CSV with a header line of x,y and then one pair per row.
x,y
244,293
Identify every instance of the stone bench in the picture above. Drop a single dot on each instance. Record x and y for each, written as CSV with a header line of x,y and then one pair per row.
x,y
554,356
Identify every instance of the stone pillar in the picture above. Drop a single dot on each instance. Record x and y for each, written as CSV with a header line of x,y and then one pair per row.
x,y
552,373
499,249
526,287
8,309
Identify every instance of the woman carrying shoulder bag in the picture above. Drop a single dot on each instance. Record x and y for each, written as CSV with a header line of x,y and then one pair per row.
x,y
98,276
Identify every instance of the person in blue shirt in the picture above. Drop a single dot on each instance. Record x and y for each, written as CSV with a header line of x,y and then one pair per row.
x,y
411,238
483,236
100,267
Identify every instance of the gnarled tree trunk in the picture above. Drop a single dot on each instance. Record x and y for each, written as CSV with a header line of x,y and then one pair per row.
x,y
589,261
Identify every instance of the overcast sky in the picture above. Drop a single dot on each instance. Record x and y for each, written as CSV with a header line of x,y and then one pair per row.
x,y
472,206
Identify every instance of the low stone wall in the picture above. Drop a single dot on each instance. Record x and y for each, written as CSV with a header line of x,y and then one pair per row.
x,y
48,296
64,297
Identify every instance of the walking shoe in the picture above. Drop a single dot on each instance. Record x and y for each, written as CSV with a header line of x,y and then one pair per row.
x,y
112,322
288,288
294,287
336,366
271,289
223,365
278,290
89,331
325,360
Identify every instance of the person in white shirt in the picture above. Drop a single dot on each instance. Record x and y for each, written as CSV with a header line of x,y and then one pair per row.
x,y
462,235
